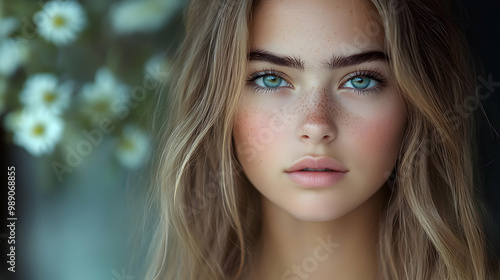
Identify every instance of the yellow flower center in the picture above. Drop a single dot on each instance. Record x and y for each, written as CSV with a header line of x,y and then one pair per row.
x,y
127,144
38,130
59,21
49,97
102,106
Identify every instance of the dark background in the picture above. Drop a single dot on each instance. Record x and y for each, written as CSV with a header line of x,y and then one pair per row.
x,y
480,21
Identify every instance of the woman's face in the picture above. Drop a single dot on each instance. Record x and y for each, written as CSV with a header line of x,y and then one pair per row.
x,y
318,86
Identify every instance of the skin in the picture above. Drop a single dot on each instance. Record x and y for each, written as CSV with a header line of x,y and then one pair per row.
x,y
316,112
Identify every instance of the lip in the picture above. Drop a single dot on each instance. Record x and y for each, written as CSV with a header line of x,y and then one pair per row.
x,y
317,163
316,179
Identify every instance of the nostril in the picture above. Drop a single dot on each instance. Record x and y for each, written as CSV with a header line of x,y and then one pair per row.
x,y
317,132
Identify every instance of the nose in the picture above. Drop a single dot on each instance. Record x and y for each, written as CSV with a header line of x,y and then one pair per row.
x,y
317,123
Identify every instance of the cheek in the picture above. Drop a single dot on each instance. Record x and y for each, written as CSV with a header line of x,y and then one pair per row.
x,y
377,139
378,135
255,133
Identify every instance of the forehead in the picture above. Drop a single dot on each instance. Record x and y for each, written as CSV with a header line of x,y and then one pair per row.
x,y
316,28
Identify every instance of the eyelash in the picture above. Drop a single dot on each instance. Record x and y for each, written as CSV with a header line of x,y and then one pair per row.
x,y
371,74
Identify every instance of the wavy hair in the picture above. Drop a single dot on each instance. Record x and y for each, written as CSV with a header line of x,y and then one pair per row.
x,y
208,214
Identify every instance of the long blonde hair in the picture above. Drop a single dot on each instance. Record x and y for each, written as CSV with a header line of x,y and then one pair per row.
x,y
208,214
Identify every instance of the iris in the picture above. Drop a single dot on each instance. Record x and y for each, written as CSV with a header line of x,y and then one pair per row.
x,y
271,81
360,82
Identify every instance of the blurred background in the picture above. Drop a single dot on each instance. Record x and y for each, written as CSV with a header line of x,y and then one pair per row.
x,y
77,86
77,83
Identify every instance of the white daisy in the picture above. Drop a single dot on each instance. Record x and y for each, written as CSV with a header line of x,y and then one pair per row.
x,y
158,67
60,21
105,98
133,147
142,16
42,91
12,55
38,131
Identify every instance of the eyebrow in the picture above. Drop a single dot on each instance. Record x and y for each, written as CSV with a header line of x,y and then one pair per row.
x,y
335,62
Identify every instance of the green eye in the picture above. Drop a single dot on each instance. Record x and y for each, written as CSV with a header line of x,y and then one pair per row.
x,y
270,81
361,82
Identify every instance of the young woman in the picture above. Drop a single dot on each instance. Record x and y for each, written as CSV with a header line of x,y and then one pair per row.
x,y
318,139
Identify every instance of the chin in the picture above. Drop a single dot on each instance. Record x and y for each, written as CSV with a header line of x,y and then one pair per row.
x,y
318,215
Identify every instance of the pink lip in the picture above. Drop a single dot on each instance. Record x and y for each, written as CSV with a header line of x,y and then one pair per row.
x,y
317,163
316,179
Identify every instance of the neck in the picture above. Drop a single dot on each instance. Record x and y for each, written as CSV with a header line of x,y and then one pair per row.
x,y
346,247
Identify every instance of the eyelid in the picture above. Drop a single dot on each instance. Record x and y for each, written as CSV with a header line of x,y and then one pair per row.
x,y
267,71
373,74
